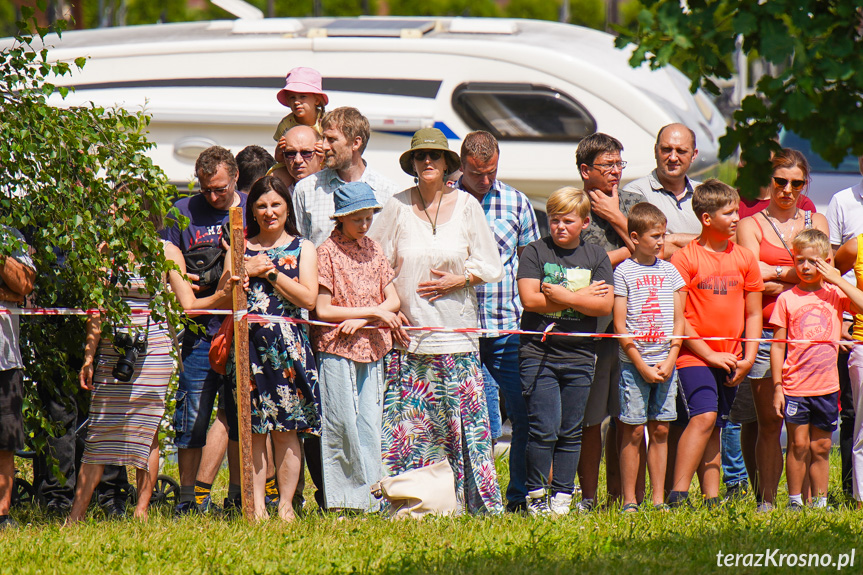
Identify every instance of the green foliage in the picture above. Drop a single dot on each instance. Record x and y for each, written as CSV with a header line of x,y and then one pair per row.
x,y
590,13
815,45
76,181
533,10
7,18
153,11
443,8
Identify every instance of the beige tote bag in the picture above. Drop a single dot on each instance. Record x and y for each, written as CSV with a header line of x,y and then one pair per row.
x,y
428,490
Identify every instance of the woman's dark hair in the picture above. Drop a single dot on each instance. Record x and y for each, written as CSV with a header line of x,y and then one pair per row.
x,y
259,188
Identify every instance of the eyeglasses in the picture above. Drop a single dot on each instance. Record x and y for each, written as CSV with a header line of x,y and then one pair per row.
x,y
781,183
306,155
605,168
421,155
216,191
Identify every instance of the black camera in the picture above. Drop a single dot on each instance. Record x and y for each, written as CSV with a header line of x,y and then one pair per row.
x,y
129,347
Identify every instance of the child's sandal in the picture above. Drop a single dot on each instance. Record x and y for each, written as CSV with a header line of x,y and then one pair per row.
x,y
630,508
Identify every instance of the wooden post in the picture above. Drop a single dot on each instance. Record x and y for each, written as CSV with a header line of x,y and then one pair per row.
x,y
241,355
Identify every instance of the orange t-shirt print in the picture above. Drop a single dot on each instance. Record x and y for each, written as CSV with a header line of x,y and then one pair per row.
x,y
716,284
810,369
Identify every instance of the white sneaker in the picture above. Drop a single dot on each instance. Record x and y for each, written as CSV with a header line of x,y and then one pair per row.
x,y
537,503
585,505
560,503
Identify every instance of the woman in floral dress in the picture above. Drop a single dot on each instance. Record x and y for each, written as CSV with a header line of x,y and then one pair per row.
x,y
440,246
283,279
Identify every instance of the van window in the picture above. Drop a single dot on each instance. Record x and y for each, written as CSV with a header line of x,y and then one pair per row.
x,y
522,112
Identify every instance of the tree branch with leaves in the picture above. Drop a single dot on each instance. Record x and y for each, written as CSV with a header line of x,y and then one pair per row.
x,y
77,182
816,46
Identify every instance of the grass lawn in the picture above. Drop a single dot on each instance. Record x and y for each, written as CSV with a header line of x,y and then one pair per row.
x,y
682,541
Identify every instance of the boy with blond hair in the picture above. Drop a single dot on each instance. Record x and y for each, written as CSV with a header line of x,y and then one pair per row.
x,y
564,286
723,299
648,303
806,382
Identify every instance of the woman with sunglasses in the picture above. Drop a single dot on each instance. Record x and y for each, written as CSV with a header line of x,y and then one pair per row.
x,y
751,206
768,233
438,242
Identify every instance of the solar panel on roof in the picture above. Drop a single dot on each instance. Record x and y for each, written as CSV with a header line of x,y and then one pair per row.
x,y
374,27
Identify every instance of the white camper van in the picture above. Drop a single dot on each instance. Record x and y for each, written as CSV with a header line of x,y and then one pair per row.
x,y
538,86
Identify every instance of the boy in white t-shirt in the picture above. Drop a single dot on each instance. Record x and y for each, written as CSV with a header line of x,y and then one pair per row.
x,y
648,303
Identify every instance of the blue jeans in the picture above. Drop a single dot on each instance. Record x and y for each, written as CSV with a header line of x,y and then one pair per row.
x,y
492,399
499,356
733,468
641,401
556,395
196,394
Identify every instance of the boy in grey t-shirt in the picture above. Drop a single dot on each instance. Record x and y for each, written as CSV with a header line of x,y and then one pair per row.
x,y
648,303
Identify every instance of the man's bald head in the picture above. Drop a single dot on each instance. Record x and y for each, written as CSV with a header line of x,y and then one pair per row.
x,y
676,127
299,152
674,151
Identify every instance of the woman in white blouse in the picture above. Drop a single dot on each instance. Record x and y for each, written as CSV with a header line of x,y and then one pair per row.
x,y
437,240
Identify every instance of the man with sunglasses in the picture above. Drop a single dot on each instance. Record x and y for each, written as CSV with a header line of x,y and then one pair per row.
x,y
198,385
300,159
601,168
669,188
345,137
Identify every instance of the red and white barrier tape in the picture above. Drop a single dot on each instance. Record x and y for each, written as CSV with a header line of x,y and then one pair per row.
x,y
262,318
28,311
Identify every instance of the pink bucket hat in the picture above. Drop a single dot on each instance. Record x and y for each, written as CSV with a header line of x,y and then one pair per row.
x,y
302,81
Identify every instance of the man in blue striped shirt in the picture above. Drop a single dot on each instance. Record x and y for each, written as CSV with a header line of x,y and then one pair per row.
x,y
510,216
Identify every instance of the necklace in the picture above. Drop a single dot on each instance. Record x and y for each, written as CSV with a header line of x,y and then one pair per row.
x,y
437,213
784,228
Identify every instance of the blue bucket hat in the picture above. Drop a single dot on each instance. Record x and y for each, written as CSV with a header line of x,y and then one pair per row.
x,y
353,197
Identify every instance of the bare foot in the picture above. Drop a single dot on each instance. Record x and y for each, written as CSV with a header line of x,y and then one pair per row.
x,y
286,512
141,514
72,521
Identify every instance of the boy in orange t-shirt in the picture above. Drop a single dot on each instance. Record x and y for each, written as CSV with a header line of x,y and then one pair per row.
x,y
722,299
806,382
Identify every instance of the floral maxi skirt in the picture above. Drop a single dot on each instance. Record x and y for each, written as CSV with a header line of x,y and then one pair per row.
x,y
435,407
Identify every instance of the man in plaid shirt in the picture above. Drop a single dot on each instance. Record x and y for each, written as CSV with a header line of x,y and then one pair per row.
x,y
510,216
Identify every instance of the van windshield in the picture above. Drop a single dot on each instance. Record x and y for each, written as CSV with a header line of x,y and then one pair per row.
x,y
522,112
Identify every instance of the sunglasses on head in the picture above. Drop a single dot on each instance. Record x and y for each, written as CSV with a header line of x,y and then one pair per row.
x,y
421,155
781,183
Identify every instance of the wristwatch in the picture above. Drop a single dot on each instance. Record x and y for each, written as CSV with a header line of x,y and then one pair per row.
x,y
778,272
466,279
273,275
